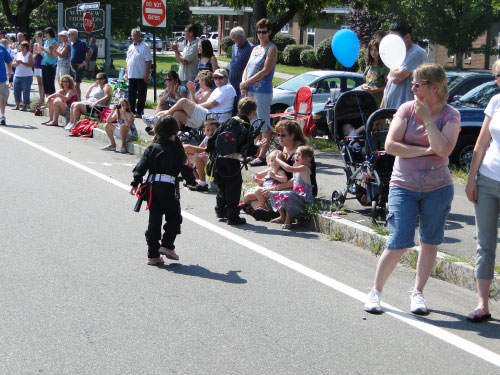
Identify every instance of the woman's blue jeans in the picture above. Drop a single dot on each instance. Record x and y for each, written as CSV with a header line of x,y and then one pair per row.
x,y
22,85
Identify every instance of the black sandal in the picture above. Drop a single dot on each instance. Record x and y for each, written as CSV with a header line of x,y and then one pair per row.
x,y
257,162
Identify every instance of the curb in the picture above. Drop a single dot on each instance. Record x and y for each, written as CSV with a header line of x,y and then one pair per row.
x,y
338,229
458,273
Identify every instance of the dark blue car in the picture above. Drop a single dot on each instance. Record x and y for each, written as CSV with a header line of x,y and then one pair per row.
x,y
471,107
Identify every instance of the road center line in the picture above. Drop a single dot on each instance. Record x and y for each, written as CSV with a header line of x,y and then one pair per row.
x,y
440,333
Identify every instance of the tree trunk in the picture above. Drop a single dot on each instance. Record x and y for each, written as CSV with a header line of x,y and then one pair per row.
x,y
459,61
259,12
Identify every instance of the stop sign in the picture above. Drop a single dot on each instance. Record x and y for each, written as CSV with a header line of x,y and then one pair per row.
x,y
154,13
88,22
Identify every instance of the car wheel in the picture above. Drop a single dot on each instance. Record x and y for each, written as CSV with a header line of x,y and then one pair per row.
x,y
462,155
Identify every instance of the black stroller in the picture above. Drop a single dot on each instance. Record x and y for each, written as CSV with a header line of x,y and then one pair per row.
x,y
367,166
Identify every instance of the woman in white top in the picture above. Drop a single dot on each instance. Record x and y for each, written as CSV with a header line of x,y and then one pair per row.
x,y
23,77
483,189
98,95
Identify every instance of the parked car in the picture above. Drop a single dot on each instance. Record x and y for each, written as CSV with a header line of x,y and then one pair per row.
x,y
471,107
214,39
320,82
319,118
460,83
148,39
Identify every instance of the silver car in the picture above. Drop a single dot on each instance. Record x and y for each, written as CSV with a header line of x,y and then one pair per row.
x,y
320,82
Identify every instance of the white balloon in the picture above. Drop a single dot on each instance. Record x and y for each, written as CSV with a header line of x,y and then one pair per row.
x,y
392,51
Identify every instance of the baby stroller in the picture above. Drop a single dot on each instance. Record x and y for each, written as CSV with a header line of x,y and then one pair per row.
x,y
367,166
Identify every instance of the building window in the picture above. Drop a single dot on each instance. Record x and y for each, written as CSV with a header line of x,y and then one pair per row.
x,y
235,23
285,29
310,36
226,25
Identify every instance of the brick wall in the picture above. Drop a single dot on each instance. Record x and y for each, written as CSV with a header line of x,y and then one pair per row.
x,y
476,61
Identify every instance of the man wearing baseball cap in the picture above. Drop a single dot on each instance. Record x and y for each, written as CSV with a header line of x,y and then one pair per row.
x,y
63,55
220,104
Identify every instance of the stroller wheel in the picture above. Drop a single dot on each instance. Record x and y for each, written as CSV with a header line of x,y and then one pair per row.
x,y
337,198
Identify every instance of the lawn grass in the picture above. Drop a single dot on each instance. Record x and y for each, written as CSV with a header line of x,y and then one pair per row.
x,y
286,69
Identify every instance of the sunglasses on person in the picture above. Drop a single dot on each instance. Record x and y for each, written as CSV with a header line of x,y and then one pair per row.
x,y
417,85
282,135
262,31
65,81
99,78
496,76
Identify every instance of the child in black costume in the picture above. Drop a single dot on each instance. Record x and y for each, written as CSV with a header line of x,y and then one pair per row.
x,y
164,159
232,142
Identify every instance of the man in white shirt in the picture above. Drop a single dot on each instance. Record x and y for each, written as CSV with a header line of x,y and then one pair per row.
x,y
219,105
188,58
138,69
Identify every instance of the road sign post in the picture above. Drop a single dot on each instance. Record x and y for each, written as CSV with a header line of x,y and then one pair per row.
x,y
154,14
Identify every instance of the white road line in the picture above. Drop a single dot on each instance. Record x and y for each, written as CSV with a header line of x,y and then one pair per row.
x,y
409,319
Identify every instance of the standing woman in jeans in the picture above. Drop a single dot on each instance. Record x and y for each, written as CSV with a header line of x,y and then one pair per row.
x,y
257,81
483,187
23,78
49,61
422,136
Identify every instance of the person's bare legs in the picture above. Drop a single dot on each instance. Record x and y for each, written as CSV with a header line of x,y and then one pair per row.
x,y
78,91
181,118
110,128
260,197
182,105
483,293
41,91
266,136
50,104
200,167
249,197
76,111
281,219
123,134
386,264
59,108
425,263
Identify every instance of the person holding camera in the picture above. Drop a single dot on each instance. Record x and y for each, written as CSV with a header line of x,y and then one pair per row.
x,y
120,124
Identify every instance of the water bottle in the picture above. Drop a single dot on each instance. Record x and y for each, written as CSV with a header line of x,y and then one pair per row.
x,y
120,75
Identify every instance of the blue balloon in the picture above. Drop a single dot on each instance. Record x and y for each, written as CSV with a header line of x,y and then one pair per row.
x,y
345,47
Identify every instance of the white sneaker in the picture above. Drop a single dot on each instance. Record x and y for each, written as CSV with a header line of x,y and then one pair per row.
x,y
372,304
417,303
69,126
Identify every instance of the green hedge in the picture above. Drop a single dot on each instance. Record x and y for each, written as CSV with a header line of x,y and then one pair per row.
x,y
226,45
324,55
308,58
291,54
283,40
361,61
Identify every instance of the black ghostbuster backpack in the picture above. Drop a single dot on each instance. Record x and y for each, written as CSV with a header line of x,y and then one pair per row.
x,y
229,141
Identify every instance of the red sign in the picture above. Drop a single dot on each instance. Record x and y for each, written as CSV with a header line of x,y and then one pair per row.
x,y
154,13
88,22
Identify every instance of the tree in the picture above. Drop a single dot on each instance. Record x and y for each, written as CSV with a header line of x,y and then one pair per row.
x,y
18,12
283,11
454,24
363,23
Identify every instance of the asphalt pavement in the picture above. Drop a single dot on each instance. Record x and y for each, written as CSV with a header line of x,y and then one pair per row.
x,y
77,296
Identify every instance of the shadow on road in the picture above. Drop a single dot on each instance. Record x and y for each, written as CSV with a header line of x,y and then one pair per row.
x,y
27,127
199,271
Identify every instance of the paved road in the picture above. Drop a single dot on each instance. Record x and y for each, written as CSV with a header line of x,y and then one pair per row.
x,y
77,297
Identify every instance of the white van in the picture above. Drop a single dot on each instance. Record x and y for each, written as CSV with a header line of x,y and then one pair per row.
x,y
214,39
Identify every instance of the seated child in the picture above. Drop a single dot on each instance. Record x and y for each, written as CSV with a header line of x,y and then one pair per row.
x,y
291,203
197,156
271,176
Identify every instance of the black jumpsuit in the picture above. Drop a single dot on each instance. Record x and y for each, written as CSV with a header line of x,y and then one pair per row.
x,y
163,157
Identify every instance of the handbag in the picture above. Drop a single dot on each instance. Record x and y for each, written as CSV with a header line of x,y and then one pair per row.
x,y
38,111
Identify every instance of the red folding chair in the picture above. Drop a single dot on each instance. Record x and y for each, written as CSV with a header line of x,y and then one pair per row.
x,y
302,106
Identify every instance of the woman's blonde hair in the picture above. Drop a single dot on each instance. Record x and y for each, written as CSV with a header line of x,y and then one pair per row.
x,y
69,78
495,69
277,154
433,74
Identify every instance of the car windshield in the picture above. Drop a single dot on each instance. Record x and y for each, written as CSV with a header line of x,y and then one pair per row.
x,y
480,96
295,83
453,81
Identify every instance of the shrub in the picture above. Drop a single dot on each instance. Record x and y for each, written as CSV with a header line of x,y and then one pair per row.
x,y
308,58
226,45
280,58
291,54
324,54
283,40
